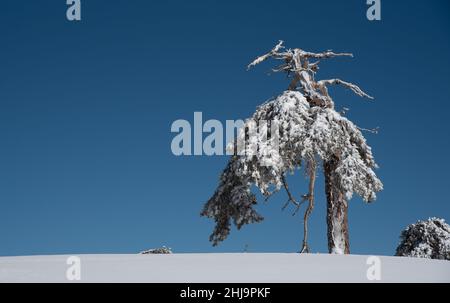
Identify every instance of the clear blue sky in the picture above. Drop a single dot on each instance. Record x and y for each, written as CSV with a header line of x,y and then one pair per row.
x,y
86,109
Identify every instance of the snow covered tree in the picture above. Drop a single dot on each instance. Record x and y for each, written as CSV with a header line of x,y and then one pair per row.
x,y
426,239
299,128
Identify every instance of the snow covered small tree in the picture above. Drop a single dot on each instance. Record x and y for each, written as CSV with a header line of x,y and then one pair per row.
x,y
299,128
426,239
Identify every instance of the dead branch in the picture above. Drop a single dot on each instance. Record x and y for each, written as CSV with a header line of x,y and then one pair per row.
x,y
296,64
311,169
264,57
312,179
353,87
324,55
291,198
370,130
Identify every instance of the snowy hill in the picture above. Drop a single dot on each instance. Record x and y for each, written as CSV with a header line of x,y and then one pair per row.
x,y
239,267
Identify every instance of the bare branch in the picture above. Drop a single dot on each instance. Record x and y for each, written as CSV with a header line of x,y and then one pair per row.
x,y
344,111
310,197
266,56
311,170
349,85
370,130
296,63
281,68
291,198
314,67
297,209
324,55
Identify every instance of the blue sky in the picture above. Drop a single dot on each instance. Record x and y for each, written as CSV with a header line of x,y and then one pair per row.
x,y
86,109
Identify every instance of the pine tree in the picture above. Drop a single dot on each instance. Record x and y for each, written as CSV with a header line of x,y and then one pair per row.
x,y
426,239
299,128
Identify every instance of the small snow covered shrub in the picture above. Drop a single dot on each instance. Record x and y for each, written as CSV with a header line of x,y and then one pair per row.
x,y
426,239
161,250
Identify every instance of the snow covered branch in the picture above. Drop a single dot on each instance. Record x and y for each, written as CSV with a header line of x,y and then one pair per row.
x,y
353,87
294,57
324,55
370,130
297,65
272,53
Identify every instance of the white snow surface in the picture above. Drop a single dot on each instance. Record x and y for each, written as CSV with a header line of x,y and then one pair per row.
x,y
223,267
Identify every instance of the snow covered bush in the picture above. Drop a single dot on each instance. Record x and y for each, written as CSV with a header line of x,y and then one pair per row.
x,y
160,250
426,239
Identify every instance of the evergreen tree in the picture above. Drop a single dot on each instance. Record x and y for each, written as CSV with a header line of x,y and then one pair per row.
x,y
426,239
299,128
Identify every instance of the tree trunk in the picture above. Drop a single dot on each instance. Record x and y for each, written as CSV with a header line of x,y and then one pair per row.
x,y
337,212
